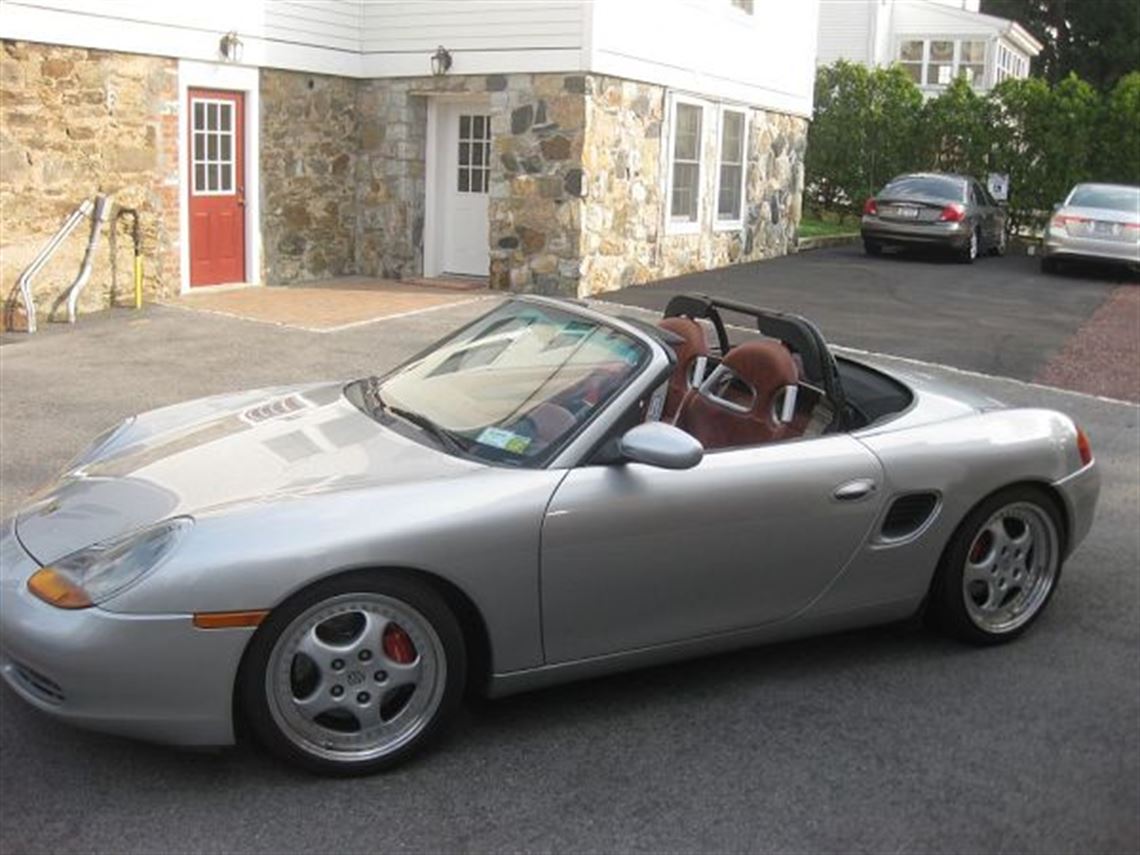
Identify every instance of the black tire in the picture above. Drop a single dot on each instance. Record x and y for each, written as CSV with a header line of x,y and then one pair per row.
x,y
872,247
946,606
972,249
253,684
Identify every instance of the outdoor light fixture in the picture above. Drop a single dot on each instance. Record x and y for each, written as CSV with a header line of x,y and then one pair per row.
x,y
440,61
231,46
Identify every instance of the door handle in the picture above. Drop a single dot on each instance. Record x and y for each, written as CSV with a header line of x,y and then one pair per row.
x,y
855,490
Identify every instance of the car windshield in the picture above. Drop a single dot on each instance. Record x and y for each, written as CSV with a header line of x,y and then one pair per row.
x,y
515,385
931,186
1106,196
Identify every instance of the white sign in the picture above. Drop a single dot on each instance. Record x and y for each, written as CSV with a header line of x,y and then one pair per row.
x,y
998,185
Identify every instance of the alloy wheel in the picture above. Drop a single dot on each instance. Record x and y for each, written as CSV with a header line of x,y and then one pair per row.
x,y
355,677
1010,568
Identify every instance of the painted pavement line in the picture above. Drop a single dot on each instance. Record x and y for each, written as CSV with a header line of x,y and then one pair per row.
x,y
920,363
322,330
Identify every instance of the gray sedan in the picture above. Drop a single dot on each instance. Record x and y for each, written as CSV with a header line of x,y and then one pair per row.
x,y
1100,222
549,493
933,209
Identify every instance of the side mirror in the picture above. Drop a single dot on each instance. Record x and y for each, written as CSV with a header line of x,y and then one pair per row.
x,y
660,444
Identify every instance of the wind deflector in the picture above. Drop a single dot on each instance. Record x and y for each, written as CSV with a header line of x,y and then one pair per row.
x,y
799,334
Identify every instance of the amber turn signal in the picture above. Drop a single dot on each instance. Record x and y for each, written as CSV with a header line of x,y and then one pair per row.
x,y
228,620
56,589
1084,447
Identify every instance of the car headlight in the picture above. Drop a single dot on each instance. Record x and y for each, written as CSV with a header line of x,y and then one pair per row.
x,y
100,444
97,573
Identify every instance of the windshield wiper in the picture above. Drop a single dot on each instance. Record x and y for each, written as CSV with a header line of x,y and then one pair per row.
x,y
445,437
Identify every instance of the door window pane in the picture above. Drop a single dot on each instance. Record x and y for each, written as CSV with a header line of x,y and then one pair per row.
x,y
474,155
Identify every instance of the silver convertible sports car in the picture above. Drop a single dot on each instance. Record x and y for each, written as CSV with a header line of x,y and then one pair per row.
x,y
549,493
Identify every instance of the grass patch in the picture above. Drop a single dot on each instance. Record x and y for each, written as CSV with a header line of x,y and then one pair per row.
x,y
828,224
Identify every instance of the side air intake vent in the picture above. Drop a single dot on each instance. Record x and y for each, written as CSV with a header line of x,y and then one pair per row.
x,y
908,514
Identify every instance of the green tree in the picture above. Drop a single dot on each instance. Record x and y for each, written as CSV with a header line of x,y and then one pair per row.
x,y
956,130
863,133
1118,155
1099,40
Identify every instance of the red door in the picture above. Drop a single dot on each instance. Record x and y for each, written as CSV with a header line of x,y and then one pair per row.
x,y
217,187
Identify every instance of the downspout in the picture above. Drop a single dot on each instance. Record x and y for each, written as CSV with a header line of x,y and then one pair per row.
x,y
102,203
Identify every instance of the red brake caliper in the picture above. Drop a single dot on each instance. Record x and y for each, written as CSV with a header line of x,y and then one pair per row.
x,y
398,645
981,547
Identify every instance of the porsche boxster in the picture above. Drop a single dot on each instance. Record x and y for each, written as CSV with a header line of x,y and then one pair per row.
x,y
549,493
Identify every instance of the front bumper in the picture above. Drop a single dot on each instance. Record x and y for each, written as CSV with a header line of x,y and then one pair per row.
x,y
153,677
954,235
1080,492
1064,245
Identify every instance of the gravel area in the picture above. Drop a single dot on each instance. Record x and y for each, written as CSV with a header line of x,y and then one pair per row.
x,y
1103,356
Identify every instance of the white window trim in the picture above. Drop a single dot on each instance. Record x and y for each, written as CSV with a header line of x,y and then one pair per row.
x,y
989,58
231,133
685,227
720,225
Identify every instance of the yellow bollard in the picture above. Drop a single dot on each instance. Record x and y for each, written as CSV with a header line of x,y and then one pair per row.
x,y
138,281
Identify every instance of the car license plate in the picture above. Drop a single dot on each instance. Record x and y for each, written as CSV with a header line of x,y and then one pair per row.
x,y
907,212
1109,229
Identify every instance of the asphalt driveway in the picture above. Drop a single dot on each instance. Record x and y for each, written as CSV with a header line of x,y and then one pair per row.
x,y
998,316
883,740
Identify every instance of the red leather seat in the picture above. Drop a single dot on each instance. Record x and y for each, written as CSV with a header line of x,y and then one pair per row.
x,y
737,405
692,346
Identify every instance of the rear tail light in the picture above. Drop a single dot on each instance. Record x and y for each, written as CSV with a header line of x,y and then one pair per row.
x,y
1132,227
1084,447
1062,220
953,213
871,207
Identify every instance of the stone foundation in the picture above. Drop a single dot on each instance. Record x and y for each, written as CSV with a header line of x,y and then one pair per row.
x,y
309,150
576,199
73,123
624,238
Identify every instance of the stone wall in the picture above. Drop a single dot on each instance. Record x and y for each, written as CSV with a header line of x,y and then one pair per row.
x,y
538,128
624,238
309,151
73,123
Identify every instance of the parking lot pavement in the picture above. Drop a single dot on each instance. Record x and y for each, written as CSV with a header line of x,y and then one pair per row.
x,y
998,316
890,739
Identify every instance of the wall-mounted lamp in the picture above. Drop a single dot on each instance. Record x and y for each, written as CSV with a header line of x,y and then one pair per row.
x,y
440,61
231,46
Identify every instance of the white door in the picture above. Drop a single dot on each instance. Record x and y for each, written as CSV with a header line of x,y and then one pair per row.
x,y
463,181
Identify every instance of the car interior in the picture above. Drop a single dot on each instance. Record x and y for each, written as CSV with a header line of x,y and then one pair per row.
x,y
781,384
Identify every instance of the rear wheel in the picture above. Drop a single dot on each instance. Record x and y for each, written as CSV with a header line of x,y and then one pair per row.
x,y
354,674
1000,569
872,247
969,252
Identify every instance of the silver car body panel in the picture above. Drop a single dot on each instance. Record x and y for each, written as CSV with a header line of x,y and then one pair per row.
x,y
575,569
1123,246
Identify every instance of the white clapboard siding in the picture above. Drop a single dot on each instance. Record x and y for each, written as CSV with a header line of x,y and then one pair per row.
x,y
328,23
709,47
483,36
845,31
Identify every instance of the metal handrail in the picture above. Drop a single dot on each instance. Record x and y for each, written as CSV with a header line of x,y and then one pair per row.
x,y
44,255
102,204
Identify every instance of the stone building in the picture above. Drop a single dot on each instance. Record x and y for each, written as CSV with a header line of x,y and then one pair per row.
x,y
555,146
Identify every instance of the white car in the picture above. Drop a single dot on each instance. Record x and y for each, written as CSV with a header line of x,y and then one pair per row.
x,y
1096,221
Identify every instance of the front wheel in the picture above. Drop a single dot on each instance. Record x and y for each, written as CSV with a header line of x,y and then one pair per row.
x,y
354,674
1000,568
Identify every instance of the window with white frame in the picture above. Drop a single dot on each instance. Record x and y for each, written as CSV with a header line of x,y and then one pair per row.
x,y
1010,64
936,62
685,165
733,145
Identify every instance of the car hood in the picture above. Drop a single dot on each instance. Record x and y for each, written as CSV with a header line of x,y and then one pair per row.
x,y
216,453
